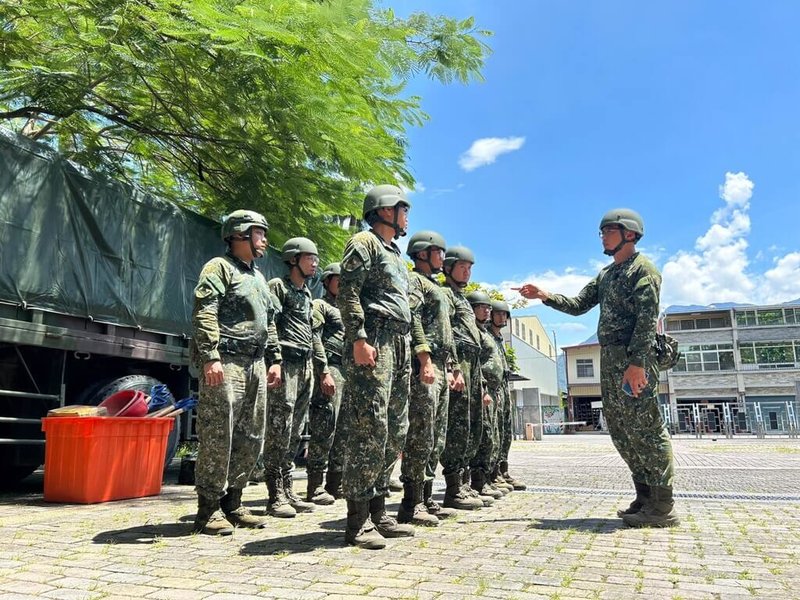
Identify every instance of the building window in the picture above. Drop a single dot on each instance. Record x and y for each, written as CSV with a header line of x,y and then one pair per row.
x,y
770,355
585,367
706,357
699,323
538,342
771,316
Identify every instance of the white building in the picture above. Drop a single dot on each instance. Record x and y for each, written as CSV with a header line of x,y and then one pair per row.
x,y
535,393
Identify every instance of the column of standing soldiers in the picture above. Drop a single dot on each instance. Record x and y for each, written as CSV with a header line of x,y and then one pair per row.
x,y
388,364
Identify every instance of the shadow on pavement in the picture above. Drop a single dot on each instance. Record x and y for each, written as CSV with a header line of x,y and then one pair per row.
x,y
294,544
143,534
593,525
337,525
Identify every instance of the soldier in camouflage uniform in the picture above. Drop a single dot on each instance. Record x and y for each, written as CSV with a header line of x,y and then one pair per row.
x,y
324,447
500,476
373,300
493,370
628,293
432,373
288,404
234,326
465,406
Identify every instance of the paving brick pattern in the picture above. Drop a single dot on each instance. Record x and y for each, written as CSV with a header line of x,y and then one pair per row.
x,y
560,541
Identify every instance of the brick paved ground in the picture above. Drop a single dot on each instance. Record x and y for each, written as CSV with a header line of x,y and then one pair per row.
x,y
740,500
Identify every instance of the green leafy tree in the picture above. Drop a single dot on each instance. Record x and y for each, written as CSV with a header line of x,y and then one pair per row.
x,y
287,107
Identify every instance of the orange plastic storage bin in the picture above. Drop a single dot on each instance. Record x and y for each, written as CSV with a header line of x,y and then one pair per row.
x,y
97,459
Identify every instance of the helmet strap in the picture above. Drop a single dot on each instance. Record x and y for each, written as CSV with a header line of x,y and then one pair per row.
x,y
398,231
448,275
621,244
427,261
494,324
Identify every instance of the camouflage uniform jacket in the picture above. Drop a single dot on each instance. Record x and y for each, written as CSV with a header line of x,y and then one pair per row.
x,y
628,294
373,285
430,313
329,328
493,360
233,313
294,321
465,329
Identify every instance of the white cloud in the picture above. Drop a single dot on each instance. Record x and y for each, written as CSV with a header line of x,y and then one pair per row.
x,y
716,270
569,282
486,150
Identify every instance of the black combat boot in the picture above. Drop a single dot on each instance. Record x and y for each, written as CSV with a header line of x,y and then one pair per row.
x,y
412,510
387,526
480,485
315,492
436,509
360,530
642,494
515,483
209,519
278,504
497,480
456,497
298,504
236,514
333,484
467,489
658,510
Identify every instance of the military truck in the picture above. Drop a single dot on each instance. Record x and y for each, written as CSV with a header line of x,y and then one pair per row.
x,y
96,279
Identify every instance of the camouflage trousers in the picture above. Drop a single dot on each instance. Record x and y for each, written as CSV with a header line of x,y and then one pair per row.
x,y
324,446
490,432
464,418
230,426
636,425
286,412
506,425
374,415
427,414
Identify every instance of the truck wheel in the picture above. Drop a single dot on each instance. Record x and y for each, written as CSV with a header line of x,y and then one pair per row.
x,y
95,394
11,475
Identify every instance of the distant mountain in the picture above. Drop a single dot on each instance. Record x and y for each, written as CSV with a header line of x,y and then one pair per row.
x,y
688,308
685,308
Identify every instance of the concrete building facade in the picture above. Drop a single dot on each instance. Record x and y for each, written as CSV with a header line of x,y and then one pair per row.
x,y
739,370
535,392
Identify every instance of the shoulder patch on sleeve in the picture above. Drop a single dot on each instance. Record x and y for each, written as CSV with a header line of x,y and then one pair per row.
x,y
356,257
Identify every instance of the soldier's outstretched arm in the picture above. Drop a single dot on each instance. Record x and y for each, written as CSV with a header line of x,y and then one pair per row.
x,y
585,301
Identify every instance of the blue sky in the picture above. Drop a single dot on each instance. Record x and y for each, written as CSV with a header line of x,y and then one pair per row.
x,y
688,112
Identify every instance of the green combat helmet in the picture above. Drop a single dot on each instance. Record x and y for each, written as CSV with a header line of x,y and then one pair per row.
x,y
422,240
457,253
479,297
628,220
499,306
384,196
452,256
331,270
240,221
297,245
293,248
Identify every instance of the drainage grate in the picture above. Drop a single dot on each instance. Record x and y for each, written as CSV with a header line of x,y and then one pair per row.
x,y
693,495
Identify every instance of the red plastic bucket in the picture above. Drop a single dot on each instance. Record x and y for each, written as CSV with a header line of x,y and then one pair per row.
x,y
127,403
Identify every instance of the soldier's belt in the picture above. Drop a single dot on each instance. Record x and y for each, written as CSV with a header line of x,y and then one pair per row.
x,y
388,325
234,347
334,359
294,353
